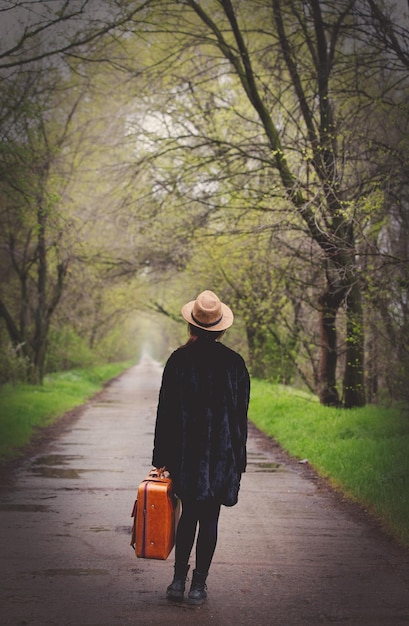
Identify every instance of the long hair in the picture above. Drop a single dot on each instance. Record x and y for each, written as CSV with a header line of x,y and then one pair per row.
x,y
200,334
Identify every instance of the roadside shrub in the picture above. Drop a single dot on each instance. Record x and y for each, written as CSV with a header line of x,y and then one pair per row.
x,y
67,350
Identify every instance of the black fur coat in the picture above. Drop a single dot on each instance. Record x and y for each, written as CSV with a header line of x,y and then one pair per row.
x,y
201,422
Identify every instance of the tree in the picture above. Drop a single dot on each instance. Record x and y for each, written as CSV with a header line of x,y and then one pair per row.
x,y
66,201
58,145
297,63
36,30
256,118
262,278
382,37
35,258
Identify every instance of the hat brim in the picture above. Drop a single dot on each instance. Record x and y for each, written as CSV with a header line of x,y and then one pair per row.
x,y
225,322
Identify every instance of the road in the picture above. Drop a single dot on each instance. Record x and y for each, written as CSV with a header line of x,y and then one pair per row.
x,y
288,553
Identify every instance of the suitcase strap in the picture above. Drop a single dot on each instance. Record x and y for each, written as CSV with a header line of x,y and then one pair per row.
x,y
145,519
158,473
133,533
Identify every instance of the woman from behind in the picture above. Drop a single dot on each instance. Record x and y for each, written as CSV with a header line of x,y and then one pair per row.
x,y
200,435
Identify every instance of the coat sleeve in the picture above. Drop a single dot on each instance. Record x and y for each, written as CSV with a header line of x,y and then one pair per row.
x,y
243,397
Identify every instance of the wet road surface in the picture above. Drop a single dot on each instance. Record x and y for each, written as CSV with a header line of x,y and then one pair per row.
x,y
287,554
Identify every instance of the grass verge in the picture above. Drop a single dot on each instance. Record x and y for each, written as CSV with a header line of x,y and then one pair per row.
x,y
363,452
25,408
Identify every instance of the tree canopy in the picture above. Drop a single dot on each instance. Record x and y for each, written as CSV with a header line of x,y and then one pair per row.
x,y
255,147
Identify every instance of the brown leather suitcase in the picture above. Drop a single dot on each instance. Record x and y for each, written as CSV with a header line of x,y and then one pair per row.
x,y
156,514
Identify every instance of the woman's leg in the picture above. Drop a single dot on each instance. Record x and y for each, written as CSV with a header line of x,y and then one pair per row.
x,y
185,537
185,534
208,514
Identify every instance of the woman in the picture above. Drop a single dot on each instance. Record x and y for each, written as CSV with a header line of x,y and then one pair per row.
x,y
200,435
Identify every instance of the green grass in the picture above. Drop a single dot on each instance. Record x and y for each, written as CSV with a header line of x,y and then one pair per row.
x,y
363,452
25,408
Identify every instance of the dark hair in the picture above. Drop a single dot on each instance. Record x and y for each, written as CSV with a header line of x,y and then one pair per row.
x,y
200,334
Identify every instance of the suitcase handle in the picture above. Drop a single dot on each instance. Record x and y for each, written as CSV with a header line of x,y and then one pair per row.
x,y
160,472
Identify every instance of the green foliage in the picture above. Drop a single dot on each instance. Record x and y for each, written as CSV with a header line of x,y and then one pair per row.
x,y
26,408
362,451
115,192
67,350
13,367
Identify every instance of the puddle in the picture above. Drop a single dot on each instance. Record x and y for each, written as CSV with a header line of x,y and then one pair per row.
x,y
125,530
27,508
57,472
72,572
63,472
267,467
56,459
50,466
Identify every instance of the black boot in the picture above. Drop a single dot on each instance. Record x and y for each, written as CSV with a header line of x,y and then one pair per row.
x,y
176,589
197,593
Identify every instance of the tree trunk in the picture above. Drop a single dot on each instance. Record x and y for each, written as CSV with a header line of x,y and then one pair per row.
x,y
353,383
328,308
253,340
38,368
372,364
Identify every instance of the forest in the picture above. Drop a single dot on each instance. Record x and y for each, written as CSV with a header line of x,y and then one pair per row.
x,y
150,149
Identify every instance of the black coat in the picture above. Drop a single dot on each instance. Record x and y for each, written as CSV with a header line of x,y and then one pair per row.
x,y
201,423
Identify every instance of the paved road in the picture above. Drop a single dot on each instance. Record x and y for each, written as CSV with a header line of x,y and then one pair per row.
x,y
287,554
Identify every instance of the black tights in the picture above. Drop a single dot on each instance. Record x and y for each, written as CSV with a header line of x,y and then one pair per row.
x,y
206,514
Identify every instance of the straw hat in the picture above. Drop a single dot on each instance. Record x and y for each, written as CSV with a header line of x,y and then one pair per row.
x,y
208,312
